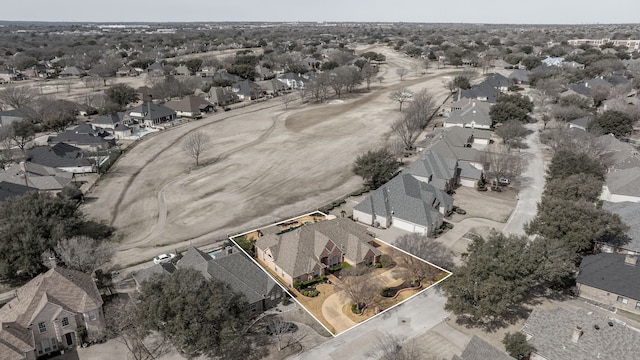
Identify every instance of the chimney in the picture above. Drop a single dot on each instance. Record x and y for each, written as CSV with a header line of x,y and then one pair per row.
x,y
52,262
630,260
577,332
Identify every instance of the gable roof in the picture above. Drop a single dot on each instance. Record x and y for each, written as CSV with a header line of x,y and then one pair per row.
x,y
408,199
432,164
110,119
15,341
624,182
498,80
151,111
482,90
70,289
582,122
233,268
11,189
297,252
520,75
157,269
628,212
609,272
478,349
58,155
552,331
192,103
473,112
37,176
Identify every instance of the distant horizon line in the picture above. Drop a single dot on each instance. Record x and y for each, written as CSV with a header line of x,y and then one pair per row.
x,y
297,22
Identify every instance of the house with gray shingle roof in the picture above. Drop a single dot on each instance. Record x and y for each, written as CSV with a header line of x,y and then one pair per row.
x,y
11,189
406,203
42,178
561,334
151,114
191,106
435,169
628,213
519,76
611,279
62,156
229,266
220,96
475,114
72,71
85,137
622,185
481,92
310,250
47,312
581,123
478,349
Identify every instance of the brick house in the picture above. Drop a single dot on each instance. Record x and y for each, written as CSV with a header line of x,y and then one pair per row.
x,y
309,251
48,314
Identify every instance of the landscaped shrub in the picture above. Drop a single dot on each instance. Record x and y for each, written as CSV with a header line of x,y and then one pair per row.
x,y
310,293
386,261
305,284
355,309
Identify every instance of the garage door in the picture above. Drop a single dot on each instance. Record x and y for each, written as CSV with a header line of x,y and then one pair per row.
x,y
405,225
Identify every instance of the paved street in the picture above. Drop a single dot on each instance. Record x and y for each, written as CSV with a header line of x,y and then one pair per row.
x,y
532,184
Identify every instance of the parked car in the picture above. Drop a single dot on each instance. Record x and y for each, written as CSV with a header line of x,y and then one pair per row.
x,y
281,327
163,258
503,181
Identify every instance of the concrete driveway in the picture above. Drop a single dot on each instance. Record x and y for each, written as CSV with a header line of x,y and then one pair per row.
x,y
405,321
532,180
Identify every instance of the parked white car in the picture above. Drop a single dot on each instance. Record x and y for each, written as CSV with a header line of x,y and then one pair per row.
x,y
163,258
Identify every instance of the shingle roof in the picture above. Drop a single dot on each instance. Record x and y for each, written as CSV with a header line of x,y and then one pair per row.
x,y
11,189
143,275
15,341
498,80
624,182
609,272
242,275
297,252
58,155
110,119
476,112
432,164
552,331
481,90
151,111
193,104
68,288
628,212
582,122
478,349
37,176
408,199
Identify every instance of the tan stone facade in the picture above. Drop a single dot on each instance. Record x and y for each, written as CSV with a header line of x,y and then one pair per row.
x,y
609,299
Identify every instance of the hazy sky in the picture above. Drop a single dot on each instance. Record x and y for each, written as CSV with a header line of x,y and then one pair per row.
x,y
456,11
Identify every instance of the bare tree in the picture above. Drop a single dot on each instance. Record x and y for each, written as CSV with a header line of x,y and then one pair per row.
x,y
286,99
84,253
393,347
422,107
18,97
401,72
195,144
426,249
283,333
401,96
426,64
408,128
361,289
500,163
121,324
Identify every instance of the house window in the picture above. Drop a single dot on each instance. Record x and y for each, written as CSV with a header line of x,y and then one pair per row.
x,y
623,300
92,315
42,327
65,321
638,305
253,308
